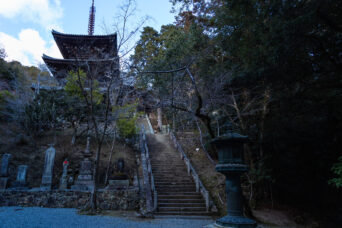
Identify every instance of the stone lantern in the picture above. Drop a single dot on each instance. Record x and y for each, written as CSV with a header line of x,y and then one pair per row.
x,y
231,164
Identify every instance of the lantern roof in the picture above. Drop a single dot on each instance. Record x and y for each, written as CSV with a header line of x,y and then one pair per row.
x,y
229,137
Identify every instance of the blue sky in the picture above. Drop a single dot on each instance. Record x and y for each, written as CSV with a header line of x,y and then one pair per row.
x,y
25,25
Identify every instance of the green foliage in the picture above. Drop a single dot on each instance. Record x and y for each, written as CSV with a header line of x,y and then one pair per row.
x,y
77,83
337,169
126,120
4,95
49,109
127,127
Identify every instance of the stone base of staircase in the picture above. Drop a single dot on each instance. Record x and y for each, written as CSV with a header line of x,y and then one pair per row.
x,y
177,196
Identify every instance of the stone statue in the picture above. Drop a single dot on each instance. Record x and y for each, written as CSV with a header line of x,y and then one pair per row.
x,y
120,165
64,179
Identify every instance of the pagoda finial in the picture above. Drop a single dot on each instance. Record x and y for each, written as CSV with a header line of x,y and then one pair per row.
x,y
91,20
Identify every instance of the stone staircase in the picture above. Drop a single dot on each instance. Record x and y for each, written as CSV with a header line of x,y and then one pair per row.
x,y
176,189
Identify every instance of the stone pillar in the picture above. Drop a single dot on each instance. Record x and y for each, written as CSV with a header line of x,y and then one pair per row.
x,y
64,179
85,181
20,182
4,170
230,154
48,168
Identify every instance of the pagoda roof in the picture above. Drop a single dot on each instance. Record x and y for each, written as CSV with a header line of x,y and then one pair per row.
x,y
86,46
61,67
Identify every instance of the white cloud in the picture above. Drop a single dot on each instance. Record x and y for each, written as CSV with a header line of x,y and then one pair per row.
x,y
28,48
43,12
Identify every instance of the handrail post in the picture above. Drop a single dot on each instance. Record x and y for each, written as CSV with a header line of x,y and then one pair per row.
x,y
188,165
197,183
206,200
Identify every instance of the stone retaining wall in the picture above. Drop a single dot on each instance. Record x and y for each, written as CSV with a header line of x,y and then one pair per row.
x,y
107,200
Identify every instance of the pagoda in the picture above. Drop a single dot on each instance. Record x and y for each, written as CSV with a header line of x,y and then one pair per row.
x,y
94,54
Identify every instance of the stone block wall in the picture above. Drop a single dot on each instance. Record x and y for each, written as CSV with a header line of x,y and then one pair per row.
x,y
127,199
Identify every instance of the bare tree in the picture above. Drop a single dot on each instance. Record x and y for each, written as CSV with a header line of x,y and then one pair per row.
x,y
111,86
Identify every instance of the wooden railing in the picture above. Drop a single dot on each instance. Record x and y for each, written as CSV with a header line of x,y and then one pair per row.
x,y
191,171
149,187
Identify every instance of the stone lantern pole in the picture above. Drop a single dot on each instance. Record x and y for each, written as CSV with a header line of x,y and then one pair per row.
x,y
231,164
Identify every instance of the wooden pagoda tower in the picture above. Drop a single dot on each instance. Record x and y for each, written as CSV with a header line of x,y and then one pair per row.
x,y
94,54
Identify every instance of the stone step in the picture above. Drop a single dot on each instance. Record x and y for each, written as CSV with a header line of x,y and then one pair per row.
x,y
178,177
179,164
178,209
174,183
181,201
167,167
181,167
183,204
164,176
179,195
169,172
175,189
172,179
183,213
156,162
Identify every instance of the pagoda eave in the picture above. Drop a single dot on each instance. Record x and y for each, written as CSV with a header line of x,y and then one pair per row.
x,y
60,68
72,45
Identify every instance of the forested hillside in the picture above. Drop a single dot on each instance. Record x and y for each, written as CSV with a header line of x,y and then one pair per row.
x,y
267,69
16,89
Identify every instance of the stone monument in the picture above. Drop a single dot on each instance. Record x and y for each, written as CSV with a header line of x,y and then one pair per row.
x,y
64,179
120,165
48,168
119,181
85,181
20,182
4,170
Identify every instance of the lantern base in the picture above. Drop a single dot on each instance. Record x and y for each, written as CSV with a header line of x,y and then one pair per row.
x,y
235,222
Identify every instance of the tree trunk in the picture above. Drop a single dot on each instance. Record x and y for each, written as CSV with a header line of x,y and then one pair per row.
x,y
93,201
110,158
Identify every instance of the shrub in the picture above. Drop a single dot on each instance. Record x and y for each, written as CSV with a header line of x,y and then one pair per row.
x,y
337,169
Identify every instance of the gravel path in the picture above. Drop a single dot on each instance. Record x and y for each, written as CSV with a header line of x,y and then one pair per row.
x,y
36,217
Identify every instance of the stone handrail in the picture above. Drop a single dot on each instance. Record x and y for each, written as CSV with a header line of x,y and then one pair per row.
x,y
150,189
191,171
149,124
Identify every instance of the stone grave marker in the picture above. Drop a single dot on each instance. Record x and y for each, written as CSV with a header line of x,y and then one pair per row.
x,y
21,177
4,170
48,168
5,165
